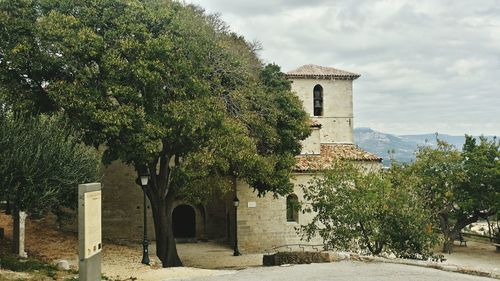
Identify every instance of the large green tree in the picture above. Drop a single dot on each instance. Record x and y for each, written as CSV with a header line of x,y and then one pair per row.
x,y
459,187
162,86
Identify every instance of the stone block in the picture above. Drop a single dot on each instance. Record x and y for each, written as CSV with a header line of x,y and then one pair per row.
x,y
281,258
63,265
338,256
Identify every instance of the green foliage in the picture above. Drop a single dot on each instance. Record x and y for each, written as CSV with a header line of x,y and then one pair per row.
x,y
42,163
440,173
459,187
159,85
481,162
149,77
375,211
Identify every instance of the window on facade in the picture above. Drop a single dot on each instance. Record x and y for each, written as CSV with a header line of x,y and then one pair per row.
x,y
292,205
318,100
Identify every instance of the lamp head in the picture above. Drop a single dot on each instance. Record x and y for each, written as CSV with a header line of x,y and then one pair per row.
x,y
143,175
236,201
144,180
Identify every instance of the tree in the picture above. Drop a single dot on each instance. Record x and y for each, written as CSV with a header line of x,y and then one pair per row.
x,y
372,211
459,187
161,86
41,165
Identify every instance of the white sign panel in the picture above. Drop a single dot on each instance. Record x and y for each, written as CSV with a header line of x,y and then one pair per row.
x,y
93,243
252,204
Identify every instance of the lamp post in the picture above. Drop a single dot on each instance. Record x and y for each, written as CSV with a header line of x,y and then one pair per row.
x,y
236,203
144,177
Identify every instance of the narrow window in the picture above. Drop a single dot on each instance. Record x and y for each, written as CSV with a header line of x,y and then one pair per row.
x,y
292,206
318,100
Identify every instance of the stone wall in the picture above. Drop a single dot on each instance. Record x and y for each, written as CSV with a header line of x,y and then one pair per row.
x,y
312,145
262,222
123,209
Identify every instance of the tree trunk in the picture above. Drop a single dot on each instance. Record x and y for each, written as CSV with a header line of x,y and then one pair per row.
x,y
448,244
447,233
166,249
450,233
489,229
18,233
15,232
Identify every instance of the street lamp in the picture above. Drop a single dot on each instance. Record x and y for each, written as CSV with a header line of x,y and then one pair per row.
x,y
144,178
236,203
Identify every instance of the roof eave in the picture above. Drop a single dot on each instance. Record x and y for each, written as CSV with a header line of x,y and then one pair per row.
x,y
325,77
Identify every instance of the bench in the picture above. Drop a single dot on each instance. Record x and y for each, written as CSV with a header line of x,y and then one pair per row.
x,y
498,246
461,239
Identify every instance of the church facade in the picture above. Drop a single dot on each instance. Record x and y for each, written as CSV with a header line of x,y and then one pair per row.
x,y
326,94
262,223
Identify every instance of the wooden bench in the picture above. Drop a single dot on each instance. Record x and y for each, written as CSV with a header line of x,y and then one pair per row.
x,y
498,246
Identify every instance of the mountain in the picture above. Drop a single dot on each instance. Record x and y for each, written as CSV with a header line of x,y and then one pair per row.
x,y
401,147
430,139
381,143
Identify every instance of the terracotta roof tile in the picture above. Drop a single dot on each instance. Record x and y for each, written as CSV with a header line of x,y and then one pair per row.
x,y
320,72
330,153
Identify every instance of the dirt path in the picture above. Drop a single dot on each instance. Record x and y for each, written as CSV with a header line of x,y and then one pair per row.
x,y
123,261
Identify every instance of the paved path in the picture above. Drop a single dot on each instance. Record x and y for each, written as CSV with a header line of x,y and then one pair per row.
x,y
341,271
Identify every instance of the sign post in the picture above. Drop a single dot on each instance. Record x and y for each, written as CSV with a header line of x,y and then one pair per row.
x,y
89,231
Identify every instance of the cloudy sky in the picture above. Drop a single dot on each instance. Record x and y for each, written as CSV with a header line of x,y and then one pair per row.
x,y
427,66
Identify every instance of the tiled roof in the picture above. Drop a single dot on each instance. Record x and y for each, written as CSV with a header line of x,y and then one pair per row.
x,y
320,72
331,152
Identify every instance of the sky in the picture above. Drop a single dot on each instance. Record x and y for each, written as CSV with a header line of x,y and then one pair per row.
x,y
426,66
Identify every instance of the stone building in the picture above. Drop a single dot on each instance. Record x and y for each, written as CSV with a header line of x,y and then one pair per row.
x,y
266,222
326,93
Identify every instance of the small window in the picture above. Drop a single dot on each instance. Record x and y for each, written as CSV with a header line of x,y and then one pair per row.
x,y
318,100
292,206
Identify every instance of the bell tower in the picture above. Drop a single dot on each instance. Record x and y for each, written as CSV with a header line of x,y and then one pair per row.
x,y
326,94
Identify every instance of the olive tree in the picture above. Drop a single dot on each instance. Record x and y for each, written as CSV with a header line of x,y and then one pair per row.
x,y
41,165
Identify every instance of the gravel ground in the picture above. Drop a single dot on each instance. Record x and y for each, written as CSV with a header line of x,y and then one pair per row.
x,y
122,261
478,255
342,271
200,259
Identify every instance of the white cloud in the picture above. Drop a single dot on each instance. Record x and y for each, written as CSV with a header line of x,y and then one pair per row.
x,y
466,67
426,65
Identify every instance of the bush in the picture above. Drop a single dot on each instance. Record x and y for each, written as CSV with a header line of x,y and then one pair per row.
x,y
369,211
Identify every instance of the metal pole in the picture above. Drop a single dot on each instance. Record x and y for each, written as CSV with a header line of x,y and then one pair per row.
x,y
236,250
145,255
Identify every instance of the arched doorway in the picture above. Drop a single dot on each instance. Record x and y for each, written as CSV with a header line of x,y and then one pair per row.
x,y
184,222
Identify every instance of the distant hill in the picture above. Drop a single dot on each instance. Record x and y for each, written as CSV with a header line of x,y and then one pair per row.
x,y
430,139
380,143
403,146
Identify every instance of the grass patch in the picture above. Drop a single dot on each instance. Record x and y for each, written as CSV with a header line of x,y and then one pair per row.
x,y
27,265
